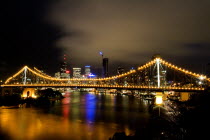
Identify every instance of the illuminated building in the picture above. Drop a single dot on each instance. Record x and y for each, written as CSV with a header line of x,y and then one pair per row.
x,y
65,75
105,67
76,72
93,76
64,72
87,71
63,66
58,75
120,70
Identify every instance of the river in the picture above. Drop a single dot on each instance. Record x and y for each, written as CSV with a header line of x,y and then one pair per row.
x,y
81,116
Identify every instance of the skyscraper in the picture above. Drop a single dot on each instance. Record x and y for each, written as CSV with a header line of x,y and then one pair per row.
x,y
64,72
105,67
87,71
76,72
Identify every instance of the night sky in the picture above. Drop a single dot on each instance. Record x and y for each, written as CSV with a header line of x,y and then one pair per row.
x,y
129,32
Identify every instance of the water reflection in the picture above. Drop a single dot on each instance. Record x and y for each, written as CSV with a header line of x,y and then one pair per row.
x,y
90,107
66,107
81,116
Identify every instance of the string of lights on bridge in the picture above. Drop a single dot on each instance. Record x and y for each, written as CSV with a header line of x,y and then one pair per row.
x,y
105,86
169,65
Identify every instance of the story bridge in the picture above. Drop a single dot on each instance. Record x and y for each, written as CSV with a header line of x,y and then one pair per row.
x,y
155,75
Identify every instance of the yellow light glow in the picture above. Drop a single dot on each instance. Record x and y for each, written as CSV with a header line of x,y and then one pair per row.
x,y
202,77
159,100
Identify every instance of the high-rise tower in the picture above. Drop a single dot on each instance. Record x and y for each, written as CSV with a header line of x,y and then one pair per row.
x,y
87,71
76,72
105,67
63,66
64,71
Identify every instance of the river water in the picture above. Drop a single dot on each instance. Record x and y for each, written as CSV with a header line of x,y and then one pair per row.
x,y
81,116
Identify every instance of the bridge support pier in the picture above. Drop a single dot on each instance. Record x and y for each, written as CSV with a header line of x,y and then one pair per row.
x,y
29,92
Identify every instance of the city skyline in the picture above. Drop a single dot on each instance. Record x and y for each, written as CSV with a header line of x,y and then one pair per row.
x,y
104,69
129,33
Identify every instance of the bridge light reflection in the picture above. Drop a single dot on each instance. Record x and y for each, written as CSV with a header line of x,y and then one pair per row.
x,y
159,99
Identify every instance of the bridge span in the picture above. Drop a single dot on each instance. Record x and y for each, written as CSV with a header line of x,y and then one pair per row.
x,y
155,75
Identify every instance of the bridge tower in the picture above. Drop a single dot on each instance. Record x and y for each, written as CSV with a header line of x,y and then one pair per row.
x,y
24,79
159,72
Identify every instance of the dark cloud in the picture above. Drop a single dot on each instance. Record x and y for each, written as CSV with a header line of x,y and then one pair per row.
x,y
128,32
132,31
26,37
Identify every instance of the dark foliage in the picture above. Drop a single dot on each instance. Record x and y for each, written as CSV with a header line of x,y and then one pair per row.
x,y
8,100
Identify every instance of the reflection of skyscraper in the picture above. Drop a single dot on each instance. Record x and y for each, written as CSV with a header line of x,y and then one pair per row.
x,y
105,67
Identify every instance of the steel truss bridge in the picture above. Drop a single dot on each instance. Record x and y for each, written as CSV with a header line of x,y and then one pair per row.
x,y
156,74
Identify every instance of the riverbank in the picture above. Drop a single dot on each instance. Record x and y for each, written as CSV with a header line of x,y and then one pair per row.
x,y
176,121
17,101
